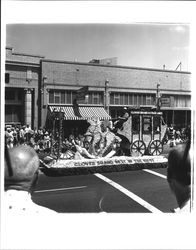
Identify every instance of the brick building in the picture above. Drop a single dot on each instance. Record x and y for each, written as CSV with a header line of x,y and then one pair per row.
x,y
22,73
127,86
54,84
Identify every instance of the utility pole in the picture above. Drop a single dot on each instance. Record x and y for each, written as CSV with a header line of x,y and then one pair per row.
x,y
60,132
107,96
158,97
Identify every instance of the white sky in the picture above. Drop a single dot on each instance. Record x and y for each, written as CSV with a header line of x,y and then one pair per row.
x,y
141,45
142,34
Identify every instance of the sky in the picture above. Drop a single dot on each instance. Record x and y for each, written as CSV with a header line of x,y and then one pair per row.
x,y
148,45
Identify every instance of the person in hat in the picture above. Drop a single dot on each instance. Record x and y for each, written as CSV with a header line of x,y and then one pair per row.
x,y
179,176
20,178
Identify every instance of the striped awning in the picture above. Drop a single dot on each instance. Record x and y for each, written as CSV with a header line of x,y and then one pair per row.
x,y
80,113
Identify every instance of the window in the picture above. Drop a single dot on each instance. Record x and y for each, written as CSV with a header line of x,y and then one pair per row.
x,y
130,99
135,99
126,99
156,124
9,95
147,127
135,123
7,77
73,96
116,99
112,99
144,100
62,97
122,99
20,95
57,97
13,113
51,97
95,98
148,100
69,97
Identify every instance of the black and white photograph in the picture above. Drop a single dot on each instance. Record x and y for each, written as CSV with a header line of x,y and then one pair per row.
x,y
97,125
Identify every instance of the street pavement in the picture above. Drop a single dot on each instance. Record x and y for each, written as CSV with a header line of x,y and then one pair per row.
x,y
138,191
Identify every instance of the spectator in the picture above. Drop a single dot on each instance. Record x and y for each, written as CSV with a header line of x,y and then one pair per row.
x,y
47,143
179,176
178,136
27,128
9,137
21,175
171,136
15,137
22,135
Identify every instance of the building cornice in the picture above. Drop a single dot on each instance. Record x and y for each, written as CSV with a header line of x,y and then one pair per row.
x,y
19,63
113,66
62,86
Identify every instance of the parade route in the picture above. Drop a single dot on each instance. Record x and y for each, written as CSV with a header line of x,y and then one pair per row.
x,y
90,194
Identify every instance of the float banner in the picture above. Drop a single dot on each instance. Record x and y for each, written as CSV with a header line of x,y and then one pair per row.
x,y
102,165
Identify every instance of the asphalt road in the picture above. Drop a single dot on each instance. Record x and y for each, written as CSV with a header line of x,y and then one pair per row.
x,y
117,192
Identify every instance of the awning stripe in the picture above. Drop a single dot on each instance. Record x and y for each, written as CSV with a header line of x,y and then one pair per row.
x,y
81,113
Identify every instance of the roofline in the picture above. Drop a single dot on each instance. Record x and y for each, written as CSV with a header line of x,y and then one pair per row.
x,y
113,66
19,63
23,54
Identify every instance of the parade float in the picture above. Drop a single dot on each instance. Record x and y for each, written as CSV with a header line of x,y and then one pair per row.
x,y
132,142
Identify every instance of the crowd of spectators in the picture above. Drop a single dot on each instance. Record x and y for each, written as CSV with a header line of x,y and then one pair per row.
x,y
176,135
43,141
39,139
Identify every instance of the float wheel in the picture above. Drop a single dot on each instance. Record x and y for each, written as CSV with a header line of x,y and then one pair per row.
x,y
155,147
138,148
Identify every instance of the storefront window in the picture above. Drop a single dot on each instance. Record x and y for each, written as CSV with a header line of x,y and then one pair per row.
x,y
13,113
9,95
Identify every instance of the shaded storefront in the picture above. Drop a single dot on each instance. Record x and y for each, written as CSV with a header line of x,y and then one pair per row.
x,y
179,118
74,119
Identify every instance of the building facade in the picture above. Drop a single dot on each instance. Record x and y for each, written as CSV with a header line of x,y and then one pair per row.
x,y
34,86
114,87
22,73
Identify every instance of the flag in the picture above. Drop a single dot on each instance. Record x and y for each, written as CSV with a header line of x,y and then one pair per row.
x,y
81,93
